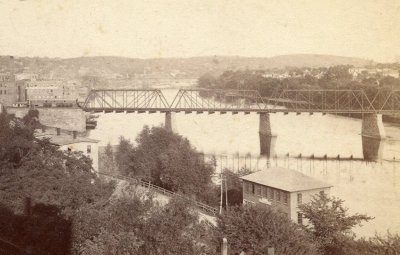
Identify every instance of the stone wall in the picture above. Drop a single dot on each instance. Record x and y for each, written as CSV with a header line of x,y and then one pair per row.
x,y
70,119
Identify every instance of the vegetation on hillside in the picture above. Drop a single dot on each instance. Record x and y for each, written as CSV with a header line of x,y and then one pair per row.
x,y
334,77
52,203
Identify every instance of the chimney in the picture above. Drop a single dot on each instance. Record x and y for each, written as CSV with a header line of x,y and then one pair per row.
x,y
58,131
74,134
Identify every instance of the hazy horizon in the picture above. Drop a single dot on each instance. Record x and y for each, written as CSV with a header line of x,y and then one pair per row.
x,y
182,29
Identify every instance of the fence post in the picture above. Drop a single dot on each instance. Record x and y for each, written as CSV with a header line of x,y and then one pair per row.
x,y
224,246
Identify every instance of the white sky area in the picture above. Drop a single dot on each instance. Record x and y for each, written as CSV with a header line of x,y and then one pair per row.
x,y
170,28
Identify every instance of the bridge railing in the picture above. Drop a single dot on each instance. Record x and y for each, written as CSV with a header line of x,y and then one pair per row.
x,y
138,181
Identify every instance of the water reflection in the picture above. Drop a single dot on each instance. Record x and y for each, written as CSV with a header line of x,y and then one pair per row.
x,y
372,148
267,145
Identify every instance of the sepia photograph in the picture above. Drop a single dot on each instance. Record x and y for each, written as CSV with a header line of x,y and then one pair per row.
x,y
200,127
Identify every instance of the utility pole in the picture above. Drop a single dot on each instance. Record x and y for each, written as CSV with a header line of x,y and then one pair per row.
x,y
222,192
226,193
224,250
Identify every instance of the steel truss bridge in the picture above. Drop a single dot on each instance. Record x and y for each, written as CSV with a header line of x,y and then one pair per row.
x,y
235,101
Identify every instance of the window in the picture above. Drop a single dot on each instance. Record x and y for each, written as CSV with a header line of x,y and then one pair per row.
x,y
89,149
5,92
300,218
265,192
299,198
258,190
285,197
252,189
278,196
271,194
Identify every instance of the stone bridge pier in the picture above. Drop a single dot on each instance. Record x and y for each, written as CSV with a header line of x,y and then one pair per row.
x,y
372,132
170,121
372,126
267,137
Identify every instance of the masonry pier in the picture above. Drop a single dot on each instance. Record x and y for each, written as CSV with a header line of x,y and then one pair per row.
x,y
372,148
170,122
372,132
372,126
267,137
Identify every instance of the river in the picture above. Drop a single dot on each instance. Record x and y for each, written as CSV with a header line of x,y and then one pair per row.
x,y
367,187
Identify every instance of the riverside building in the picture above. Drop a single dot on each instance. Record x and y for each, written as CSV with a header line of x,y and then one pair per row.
x,y
282,189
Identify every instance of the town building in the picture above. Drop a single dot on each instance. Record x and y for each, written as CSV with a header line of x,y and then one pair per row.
x,y
26,75
8,89
282,189
50,90
72,142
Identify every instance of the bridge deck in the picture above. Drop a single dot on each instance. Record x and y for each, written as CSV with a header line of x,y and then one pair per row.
x,y
233,110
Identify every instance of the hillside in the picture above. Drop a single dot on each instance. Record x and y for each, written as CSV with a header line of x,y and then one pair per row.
x,y
190,67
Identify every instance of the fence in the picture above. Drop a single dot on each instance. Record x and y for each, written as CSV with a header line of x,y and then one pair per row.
x,y
137,181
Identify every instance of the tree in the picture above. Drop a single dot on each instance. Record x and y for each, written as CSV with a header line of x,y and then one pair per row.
x,y
329,222
235,188
58,185
107,159
255,228
175,229
168,160
206,81
16,140
123,156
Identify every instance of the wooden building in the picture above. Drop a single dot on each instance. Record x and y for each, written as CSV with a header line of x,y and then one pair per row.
x,y
282,189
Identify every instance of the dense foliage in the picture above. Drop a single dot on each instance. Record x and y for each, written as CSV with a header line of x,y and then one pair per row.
x,y
256,228
317,78
52,203
168,160
330,223
42,188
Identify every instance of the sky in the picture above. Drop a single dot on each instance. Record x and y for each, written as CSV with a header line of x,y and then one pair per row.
x,y
186,28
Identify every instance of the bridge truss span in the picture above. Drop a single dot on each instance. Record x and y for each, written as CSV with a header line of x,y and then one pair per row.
x,y
126,100
326,101
218,100
333,101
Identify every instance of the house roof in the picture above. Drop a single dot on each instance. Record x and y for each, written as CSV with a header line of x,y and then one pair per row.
x,y
285,179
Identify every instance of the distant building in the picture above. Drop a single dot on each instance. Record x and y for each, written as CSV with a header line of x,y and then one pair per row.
x,y
373,72
8,90
26,76
282,189
50,90
73,142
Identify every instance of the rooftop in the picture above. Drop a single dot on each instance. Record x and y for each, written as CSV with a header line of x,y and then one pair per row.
x,y
285,179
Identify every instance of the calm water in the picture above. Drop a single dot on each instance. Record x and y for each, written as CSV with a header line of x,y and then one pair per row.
x,y
371,188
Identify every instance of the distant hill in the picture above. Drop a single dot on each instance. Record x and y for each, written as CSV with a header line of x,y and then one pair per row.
x,y
191,67
314,60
